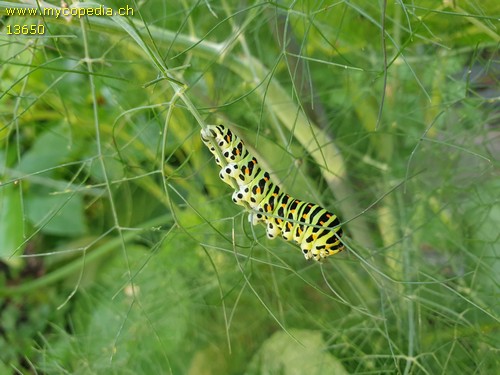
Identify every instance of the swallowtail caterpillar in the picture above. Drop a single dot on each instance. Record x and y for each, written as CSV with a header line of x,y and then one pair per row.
x,y
316,230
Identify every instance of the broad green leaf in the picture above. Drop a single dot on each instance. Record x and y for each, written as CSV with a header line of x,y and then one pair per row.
x,y
48,151
11,221
61,215
281,354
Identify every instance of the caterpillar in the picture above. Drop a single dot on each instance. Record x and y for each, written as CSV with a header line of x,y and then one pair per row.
x,y
316,230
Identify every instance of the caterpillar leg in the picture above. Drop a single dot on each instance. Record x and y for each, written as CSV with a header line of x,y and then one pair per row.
x,y
256,217
287,231
330,246
306,246
233,170
321,243
224,175
314,249
217,132
206,134
240,197
318,253
273,229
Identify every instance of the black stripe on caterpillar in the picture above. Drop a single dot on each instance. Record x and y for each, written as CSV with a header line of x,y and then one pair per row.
x,y
316,230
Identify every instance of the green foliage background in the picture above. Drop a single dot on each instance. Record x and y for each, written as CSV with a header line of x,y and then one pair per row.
x,y
120,249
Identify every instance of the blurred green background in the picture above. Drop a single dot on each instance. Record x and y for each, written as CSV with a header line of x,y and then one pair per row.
x,y
120,249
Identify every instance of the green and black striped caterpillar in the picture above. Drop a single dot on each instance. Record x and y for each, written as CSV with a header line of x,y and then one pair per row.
x,y
315,229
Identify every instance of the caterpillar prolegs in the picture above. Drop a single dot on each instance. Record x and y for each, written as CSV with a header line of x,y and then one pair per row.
x,y
315,229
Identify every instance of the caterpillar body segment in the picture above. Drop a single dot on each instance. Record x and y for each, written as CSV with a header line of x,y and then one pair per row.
x,y
315,229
